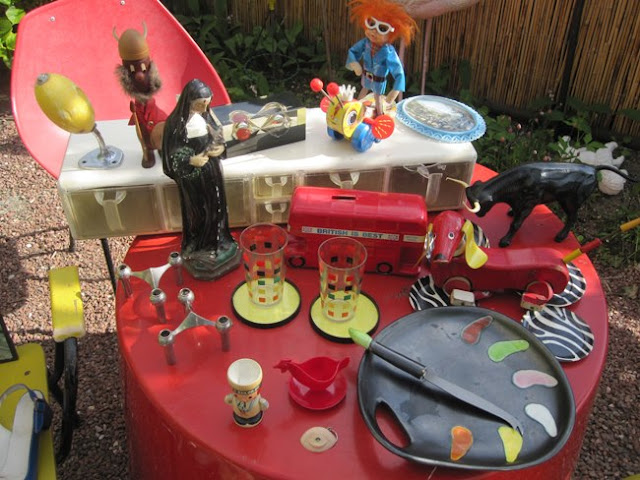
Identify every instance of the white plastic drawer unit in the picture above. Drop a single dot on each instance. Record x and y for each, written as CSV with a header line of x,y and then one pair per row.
x,y
131,200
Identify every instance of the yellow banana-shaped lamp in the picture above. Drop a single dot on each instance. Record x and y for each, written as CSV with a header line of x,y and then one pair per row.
x,y
66,105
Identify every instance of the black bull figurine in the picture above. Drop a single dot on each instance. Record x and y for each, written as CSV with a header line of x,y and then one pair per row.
x,y
525,186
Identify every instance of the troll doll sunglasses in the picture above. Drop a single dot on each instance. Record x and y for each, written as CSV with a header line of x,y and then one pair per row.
x,y
382,27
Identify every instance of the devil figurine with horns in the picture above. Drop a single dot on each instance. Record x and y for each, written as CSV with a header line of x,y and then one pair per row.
x,y
140,80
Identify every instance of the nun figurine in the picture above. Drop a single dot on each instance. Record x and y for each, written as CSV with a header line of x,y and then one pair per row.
x,y
192,149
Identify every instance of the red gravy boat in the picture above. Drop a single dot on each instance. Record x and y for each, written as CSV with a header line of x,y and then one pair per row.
x,y
317,373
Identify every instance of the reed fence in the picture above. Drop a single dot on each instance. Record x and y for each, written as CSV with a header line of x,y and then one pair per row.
x,y
518,50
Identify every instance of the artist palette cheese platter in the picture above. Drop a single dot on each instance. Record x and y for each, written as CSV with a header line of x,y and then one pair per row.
x,y
484,352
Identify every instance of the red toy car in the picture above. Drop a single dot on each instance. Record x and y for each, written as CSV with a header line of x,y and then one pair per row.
x,y
457,263
392,226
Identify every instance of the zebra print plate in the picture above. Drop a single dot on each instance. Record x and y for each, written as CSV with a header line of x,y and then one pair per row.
x,y
424,294
573,292
565,334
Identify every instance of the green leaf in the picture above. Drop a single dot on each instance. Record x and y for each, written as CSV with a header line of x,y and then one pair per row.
x,y
289,62
212,45
283,46
464,70
220,8
555,116
630,113
214,59
231,45
576,104
293,32
194,7
5,26
599,108
14,14
539,103
10,41
206,28
262,85
236,93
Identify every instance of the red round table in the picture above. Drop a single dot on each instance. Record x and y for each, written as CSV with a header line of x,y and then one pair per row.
x,y
179,426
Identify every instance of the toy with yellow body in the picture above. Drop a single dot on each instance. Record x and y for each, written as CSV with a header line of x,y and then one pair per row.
x,y
348,118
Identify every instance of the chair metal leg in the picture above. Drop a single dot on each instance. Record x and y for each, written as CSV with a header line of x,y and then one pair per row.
x,y
54,377
70,417
107,257
72,243
109,260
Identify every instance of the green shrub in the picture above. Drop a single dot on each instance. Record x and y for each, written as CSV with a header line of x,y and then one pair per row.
x,y
270,58
8,29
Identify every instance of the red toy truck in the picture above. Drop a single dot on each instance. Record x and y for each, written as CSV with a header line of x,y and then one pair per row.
x,y
392,226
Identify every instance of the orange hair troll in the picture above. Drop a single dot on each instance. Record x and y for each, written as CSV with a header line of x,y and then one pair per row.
x,y
385,11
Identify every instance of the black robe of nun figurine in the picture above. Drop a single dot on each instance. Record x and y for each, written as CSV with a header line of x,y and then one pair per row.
x,y
192,149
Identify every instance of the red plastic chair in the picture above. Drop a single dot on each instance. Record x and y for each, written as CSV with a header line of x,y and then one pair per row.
x,y
75,38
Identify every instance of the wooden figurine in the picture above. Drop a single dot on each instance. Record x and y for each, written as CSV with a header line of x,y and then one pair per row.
x,y
374,58
192,149
140,80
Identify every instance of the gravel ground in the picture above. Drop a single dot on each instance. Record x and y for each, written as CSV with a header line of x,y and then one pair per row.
x,y
34,238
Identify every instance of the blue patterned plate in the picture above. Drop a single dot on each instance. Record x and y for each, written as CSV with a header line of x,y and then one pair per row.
x,y
441,118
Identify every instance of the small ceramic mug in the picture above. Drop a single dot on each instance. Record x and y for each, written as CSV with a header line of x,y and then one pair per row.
x,y
245,379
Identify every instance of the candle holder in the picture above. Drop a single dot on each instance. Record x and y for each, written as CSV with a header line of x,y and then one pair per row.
x,y
151,275
166,337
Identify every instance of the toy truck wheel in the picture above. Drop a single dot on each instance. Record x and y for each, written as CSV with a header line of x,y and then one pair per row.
x,y
536,296
296,262
333,134
384,268
459,283
362,138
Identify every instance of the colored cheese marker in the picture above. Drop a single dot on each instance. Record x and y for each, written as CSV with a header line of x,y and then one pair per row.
x,y
512,443
501,350
542,415
461,442
471,333
419,371
531,378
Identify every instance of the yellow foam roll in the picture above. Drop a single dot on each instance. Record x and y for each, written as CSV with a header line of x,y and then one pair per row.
x,y
67,312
